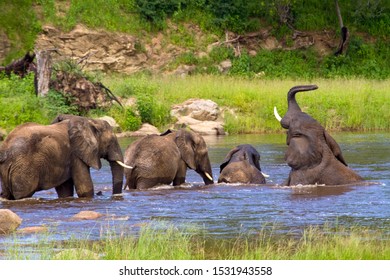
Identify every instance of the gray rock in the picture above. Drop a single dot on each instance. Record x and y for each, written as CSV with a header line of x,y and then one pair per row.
x,y
200,115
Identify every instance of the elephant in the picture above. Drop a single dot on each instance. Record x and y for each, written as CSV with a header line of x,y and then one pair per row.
x,y
164,158
241,165
37,157
313,155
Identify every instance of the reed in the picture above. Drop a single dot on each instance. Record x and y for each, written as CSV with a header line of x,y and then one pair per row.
x,y
169,242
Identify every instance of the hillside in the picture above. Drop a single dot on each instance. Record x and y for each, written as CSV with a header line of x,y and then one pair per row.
x,y
275,39
242,54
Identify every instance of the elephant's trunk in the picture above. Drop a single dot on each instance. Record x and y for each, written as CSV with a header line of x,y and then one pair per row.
x,y
293,106
292,103
117,177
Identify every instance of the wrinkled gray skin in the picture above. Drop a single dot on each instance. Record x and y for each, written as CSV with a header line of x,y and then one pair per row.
x,y
164,159
313,155
36,157
241,165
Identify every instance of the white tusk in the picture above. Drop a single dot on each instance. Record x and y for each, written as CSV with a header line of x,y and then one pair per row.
x,y
208,176
279,118
124,165
265,175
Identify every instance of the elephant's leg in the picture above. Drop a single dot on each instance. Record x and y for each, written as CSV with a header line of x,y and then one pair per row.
x,y
66,189
82,179
180,177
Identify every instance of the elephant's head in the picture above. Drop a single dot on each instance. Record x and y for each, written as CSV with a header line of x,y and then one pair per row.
x,y
242,165
93,139
193,150
242,153
313,155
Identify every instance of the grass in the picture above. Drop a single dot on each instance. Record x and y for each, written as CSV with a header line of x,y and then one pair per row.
x,y
168,242
246,104
338,104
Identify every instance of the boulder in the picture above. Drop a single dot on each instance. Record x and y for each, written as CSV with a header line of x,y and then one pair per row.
x,y
9,221
200,115
32,230
87,215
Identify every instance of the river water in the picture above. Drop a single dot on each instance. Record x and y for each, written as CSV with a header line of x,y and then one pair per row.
x,y
224,210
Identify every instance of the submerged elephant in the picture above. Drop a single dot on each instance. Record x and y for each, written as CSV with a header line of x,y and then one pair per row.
x,y
164,159
241,165
36,157
313,155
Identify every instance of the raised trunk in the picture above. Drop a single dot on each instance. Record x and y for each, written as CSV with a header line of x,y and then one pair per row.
x,y
292,103
293,106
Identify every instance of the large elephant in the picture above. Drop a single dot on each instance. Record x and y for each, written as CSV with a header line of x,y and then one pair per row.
x,y
163,159
241,165
36,157
313,155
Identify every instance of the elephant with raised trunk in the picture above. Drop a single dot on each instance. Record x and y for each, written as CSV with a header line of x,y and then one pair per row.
x,y
242,165
38,157
164,159
313,155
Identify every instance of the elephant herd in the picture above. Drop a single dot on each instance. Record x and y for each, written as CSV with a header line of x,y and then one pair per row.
x,y
36,157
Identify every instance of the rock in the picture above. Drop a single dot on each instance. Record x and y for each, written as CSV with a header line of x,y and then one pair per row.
x,y
30,230
201,116
87,215
146,129
106,51
184,70
199,109
9,221
225,66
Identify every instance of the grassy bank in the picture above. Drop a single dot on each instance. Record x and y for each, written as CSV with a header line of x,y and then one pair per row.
x,y
171,243
247,104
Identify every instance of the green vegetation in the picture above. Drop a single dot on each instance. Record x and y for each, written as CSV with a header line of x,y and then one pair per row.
x,y
368,22
338,104
168,242
352,91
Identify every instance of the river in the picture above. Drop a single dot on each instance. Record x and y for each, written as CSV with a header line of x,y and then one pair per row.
x,y
224,210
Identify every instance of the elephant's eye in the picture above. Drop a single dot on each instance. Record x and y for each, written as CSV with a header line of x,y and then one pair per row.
x,y
297,134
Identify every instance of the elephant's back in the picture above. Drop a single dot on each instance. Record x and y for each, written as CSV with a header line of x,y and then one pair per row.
x,y
153,153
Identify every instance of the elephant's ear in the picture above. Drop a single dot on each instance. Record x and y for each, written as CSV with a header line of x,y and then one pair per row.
x,y
186,145
334,147
83,141
228,158
255,159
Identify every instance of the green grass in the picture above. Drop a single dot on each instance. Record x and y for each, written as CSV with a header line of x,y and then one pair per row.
x,y
338,104
168,242
247,104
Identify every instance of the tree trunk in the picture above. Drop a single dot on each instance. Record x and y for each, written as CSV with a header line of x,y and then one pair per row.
x,y
342,49
43,72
